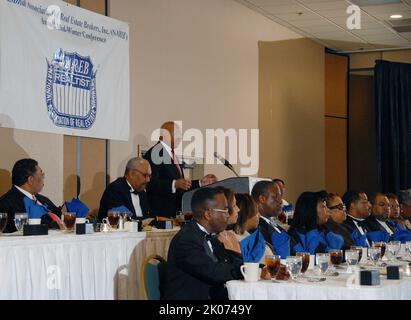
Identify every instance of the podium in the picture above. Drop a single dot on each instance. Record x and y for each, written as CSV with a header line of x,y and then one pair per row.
x,y
236,184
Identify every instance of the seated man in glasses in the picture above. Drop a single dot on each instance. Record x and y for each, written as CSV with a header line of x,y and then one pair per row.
x,y
28,181
128,191
198,265
338,214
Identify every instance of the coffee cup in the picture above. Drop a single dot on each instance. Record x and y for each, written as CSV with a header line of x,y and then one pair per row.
x,y
250,271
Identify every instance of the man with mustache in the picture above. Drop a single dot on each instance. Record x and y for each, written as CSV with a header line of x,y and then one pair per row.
x,y
128,191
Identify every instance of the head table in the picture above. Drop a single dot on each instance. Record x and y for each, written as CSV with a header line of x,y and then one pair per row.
x,y
64,265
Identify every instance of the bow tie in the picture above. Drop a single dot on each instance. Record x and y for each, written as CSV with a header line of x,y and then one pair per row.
x,y
134,192
210,237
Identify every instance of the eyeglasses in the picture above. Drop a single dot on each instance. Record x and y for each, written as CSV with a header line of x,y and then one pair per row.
x,y
145,175
220,210
340,206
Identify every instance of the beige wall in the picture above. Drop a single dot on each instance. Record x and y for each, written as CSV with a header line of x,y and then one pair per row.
x,y
291,114
191,60
46,148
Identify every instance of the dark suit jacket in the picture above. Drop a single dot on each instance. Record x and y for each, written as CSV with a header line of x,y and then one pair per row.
x,y
342,230
267,230
193,273
118,194
12,202
373,225
162,201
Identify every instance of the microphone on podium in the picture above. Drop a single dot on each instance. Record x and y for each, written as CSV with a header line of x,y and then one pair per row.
x,y
226,163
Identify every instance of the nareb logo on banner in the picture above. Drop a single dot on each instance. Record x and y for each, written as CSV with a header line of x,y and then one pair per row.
x,y
71,90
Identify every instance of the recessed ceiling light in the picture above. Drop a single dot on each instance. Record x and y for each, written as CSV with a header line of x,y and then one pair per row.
x,y
396,16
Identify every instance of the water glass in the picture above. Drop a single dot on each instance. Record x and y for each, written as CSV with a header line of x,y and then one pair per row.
x,y
393,248
323,262
352,257
374,254
359,250
20,219
408,248
294,265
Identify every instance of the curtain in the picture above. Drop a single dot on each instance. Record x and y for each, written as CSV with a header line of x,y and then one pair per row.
x,y
393,125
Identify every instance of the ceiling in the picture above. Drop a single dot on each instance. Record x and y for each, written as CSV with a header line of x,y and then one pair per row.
x,y
325,21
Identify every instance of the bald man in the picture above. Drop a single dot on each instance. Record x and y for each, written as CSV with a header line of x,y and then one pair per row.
x,y
168,183
128,191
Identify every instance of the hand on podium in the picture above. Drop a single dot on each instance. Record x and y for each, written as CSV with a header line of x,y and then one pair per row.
x,y
208,179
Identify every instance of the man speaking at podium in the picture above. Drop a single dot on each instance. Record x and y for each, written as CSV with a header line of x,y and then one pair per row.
x,y
168,183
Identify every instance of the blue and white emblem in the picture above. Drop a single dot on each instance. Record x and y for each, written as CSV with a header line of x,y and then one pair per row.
x,y
71,90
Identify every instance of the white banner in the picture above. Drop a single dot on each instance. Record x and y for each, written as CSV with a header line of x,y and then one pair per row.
x,y
63,70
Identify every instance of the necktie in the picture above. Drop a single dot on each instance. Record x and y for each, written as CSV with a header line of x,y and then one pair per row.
x,y
176,163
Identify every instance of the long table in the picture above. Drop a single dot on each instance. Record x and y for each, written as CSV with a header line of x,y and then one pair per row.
x,y
334,288
69,266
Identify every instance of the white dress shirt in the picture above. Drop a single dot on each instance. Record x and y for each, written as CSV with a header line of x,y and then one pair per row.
x,y
360,229
271,223
384,225
29,195
136,201
208,241
168,149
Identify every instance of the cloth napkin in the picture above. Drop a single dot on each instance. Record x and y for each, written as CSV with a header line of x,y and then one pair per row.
x,y
378,236
281,244
253,247
78,207
359,239
34,211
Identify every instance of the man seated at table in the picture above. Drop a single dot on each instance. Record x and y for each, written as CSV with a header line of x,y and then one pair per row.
x,y
380,212
195,267
129,190
405,203
28,181
267,195
358,209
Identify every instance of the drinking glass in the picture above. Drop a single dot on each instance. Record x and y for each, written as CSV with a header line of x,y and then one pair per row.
x,y
305,256
20,219
69,220
380,244
113,218
359,250
393,248
374,254
272,263
294,265
336,256
352,258
3,221
323,262
408,248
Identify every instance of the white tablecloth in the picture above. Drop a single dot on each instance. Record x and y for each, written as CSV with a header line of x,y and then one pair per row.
x,y
331,289
66,266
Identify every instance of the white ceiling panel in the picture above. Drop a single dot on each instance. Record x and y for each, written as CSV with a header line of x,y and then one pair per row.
x,y
326,22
